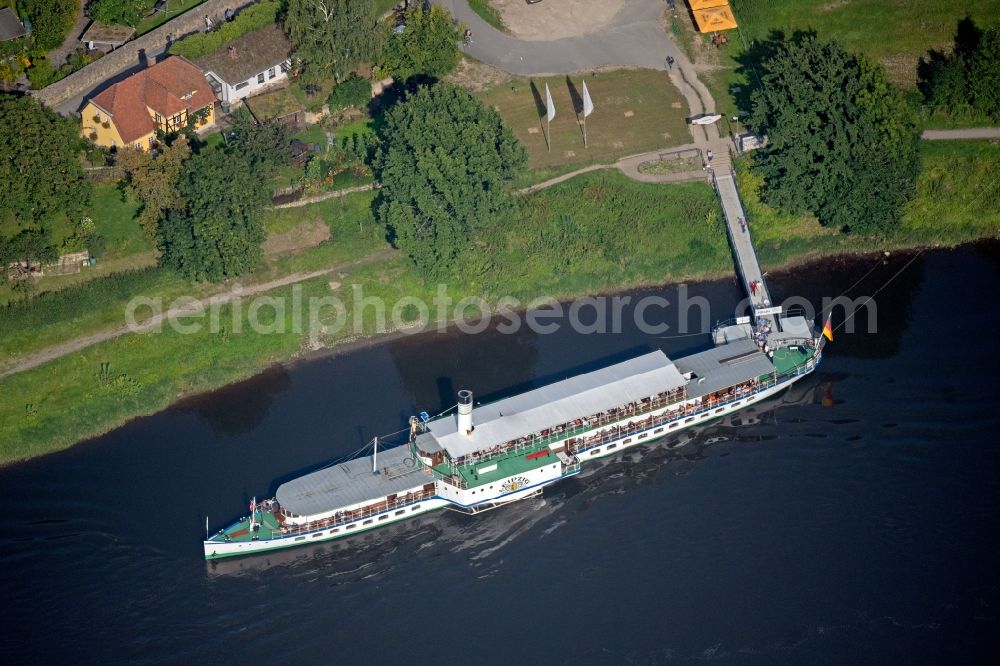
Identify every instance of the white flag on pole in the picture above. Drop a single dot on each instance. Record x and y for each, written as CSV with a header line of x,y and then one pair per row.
x,y
549,106
588,104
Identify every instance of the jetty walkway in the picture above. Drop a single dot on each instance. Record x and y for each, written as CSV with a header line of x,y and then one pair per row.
x,y
742,243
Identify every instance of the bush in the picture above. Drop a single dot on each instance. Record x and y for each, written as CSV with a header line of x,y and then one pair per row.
x,y
252,18
121,12
40,74
354,91
50,20
358,147
428,45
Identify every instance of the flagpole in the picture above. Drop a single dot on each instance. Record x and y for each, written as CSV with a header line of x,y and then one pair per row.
x,y
550,113
584,130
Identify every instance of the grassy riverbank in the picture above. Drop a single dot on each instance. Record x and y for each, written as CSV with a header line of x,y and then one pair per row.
x,y
955,203
595,233
893,34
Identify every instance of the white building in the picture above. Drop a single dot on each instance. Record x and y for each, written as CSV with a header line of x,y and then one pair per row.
x,y
248,65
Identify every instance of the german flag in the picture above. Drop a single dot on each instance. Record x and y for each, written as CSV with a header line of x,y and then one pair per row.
x,y
828,329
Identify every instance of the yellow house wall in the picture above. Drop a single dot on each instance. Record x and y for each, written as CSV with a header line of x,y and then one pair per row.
x,y
209,120
106,136
109,136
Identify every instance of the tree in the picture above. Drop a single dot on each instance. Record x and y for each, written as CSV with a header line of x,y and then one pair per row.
x,y
40,169
984,74
218,232
122,12
17,254
427,44
332,37
50,20
353,91
967,79
154,180
28,247
264,145
445,164
843,142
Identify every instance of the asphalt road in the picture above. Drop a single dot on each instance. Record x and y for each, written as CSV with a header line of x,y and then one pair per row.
x,y
633,38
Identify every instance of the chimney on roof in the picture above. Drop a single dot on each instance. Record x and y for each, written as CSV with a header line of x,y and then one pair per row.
x,y
465,425
232,51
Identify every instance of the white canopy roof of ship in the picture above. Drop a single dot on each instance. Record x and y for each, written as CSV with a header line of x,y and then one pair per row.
x,y
570,399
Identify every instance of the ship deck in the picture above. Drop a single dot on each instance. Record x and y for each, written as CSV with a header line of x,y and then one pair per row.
x,y
724,366
786,359
352,482
515,462
240,531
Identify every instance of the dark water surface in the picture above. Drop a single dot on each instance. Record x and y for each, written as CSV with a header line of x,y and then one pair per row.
x,y
854,519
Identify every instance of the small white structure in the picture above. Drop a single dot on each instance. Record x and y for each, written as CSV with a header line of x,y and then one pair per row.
x,y
248,65
750,141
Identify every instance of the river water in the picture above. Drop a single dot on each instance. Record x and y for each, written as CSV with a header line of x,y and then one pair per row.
x,y
852,519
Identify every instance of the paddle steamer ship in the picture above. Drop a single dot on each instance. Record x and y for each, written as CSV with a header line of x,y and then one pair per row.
x,y
489,455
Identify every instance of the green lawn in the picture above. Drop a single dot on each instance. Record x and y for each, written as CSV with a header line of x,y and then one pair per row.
x,y
599,232
634,111
488,13
955,203
894,33
382,6
313,134
127,244
114,217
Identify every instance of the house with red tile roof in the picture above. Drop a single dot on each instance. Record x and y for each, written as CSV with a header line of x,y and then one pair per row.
x,y
162,97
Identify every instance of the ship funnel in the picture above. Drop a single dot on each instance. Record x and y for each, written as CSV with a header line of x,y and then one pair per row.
x,y
465,412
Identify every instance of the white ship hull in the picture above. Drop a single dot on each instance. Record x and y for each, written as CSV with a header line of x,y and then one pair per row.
x,y
218,549
450,497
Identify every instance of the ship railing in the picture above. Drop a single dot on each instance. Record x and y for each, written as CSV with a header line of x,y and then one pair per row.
x,y
686,411
366,511
574,428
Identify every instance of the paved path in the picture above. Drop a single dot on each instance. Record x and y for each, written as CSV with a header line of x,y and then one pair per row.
x,y
629,165
305,201
57,56
956,134
634,37
71,346
741,241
